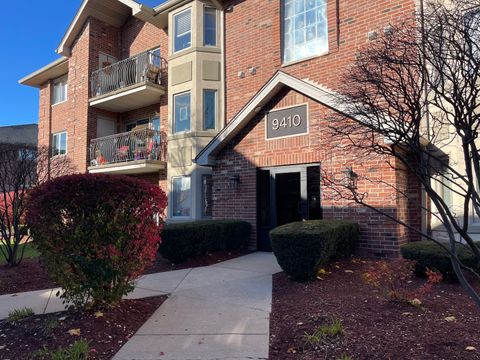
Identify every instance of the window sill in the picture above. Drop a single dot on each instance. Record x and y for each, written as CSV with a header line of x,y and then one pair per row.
x,y
60,103
295,62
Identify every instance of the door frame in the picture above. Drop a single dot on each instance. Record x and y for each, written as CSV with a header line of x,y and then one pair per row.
x,y
285,169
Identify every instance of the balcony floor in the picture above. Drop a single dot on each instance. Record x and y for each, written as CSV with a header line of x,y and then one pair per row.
x,y
143,166
129,98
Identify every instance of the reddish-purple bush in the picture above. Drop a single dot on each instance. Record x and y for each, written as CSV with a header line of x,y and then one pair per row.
x,y
96,233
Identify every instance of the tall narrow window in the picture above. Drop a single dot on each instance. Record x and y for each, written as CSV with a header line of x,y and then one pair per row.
x,y
181,196
207,196
210,27
59,143
305,32
60,88
209,109
182,112
182,38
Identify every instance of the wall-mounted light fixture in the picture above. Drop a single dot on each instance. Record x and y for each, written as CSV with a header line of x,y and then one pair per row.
x,y
234,181
350,178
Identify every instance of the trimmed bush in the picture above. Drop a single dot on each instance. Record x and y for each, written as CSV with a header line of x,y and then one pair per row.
x,y
429,255
96,233
182,241
302,248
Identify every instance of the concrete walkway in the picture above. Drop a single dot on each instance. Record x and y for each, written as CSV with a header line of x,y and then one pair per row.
x,y
215,312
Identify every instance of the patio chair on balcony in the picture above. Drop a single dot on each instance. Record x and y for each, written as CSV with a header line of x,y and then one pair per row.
x,y
123,153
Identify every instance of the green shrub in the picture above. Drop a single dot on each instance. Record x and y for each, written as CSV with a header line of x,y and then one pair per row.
x,y
181,241
428,254
77,351
301,248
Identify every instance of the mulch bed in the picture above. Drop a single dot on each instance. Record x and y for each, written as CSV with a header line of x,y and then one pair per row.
x,y
29,338
30,275
375,327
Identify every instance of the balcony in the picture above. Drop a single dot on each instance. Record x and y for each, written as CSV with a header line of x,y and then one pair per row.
x,y
129,84
140,151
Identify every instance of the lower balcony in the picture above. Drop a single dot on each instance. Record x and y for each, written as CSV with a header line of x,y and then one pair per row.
x,y
140,151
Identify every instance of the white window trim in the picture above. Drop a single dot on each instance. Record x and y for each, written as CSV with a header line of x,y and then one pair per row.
x,y
215,108
175,35
66,143
63,78
205,7
173,198
174,122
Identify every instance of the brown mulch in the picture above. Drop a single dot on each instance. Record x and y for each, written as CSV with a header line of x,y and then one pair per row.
x,y
29,338
30,275
375,327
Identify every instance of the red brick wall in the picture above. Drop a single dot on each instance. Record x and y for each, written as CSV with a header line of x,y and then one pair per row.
x,y
253,39
249,150
138,36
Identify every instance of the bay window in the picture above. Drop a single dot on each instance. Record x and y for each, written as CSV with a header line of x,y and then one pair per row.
x,y
182,30
181,109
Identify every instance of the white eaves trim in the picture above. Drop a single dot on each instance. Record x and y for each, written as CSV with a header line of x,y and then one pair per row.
x,y
281,79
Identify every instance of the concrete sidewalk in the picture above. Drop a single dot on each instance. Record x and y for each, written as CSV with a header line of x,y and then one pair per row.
x,y
216,312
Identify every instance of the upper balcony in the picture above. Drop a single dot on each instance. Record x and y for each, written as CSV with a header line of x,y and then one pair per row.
x,y
139,151
129,84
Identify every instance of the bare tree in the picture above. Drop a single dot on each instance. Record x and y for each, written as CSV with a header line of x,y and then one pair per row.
x,y
22,167
411,95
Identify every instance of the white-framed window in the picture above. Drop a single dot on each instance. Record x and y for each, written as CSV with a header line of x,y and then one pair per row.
x,y
210,26
182,30
181,196
60,89
59,143
209,109
181,110
305,29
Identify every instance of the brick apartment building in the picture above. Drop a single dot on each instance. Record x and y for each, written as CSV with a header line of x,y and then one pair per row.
x,y
224,104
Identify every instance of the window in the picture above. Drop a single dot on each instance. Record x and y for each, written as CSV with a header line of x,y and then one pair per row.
x,y
305,32
132,125
154,57
181,112
181,196
207,196
210,27
60,88
209,109
59,143
182,38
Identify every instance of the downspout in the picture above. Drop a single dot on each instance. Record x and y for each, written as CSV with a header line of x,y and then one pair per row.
x,y
426,226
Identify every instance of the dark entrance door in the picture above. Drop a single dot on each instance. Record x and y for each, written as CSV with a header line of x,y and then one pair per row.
x,y
286,194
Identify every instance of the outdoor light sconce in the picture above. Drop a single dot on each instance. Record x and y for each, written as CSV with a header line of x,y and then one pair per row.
x,y
234,182
350,178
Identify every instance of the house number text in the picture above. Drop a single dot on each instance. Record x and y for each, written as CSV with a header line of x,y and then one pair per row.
x,y
287,122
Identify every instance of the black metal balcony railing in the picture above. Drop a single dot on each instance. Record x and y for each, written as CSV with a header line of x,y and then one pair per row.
x,y
144,67
143,144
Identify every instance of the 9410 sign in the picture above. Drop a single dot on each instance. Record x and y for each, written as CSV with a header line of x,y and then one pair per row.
x,y
291,121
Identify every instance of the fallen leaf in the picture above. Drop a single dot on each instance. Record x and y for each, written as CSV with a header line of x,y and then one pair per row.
x,y
416,302
337,267
98,314
300,323
407,314
349,271
291,350
471,348
322,272
450,318
74,332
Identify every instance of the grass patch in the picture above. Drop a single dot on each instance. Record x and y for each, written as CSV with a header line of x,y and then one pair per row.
x,y
77,351
326,331
345,357
20,314
30,252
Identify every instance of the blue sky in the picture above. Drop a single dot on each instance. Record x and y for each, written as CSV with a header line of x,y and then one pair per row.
x,y
30,32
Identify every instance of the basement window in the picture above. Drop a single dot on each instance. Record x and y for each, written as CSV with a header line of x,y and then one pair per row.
x,y
305,30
